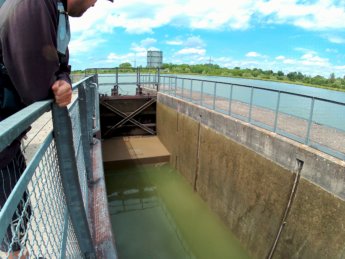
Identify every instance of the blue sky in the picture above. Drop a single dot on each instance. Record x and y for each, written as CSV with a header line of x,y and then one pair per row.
x,y
289,35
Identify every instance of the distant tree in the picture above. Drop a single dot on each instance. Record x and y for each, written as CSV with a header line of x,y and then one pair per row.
x,y
332,78
216,70
280,73
125,65
255,72
299,76
292,76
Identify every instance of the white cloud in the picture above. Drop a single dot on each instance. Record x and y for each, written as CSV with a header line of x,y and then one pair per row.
x,y
253,54
315,15
137,48
117,59
331,50
148,42
336,39
140,49
189,51
82,45
194,41
280,57
174,42
311,59
138,16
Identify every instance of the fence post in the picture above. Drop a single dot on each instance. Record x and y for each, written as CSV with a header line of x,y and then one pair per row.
x,y
96,122
175,85
117,76
182,92
158,78
191,90
70,180
214,95
276,113
230,98
85,116
310,122
251,104
202,93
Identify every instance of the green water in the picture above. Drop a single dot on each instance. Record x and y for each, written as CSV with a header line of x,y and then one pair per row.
x,y
156,215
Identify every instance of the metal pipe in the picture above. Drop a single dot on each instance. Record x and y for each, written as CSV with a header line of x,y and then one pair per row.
x,y
299,166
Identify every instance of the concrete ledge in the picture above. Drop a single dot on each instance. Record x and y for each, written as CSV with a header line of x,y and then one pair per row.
x,y
102,230
324,170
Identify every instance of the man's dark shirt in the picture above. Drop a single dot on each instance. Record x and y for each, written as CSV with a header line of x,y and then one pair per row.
x,y
28,36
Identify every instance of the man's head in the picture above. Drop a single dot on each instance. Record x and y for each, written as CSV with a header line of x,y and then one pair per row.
x,y
76,8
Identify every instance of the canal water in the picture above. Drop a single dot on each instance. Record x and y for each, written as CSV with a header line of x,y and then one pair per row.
x,y
156,215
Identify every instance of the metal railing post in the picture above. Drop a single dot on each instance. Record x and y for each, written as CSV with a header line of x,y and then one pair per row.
x,y
191,90
202,93
117,76
214,95
175,86
85,127
182,90
310,122
90,108
96,120
95,78
230,98
276,113
251,105
70,180
169,84
158,79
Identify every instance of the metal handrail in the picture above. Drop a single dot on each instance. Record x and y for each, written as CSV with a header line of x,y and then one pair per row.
x,y
61,140
256,87
169,85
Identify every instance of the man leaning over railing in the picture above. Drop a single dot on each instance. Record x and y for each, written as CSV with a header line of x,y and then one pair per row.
x,y
34,38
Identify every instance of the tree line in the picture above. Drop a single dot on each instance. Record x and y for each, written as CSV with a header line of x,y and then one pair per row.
x,y
257,73
331,82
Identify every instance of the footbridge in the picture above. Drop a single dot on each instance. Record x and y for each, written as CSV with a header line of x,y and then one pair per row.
x,y
268,162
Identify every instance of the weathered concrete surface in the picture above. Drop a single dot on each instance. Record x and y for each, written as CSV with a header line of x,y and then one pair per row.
x,y
315,227
246,190
101,226
246,175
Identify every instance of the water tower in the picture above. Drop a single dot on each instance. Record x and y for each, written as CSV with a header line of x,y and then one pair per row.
x,y
154,59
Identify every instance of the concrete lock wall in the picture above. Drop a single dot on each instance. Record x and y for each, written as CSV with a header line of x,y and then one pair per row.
x,y
260,184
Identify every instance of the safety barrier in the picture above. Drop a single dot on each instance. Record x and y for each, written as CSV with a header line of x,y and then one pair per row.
x,y
47,214
315,122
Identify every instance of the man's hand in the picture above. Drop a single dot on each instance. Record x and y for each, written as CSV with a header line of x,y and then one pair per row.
x,y
62,92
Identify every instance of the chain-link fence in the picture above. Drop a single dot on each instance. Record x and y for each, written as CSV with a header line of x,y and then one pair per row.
x,y
44,204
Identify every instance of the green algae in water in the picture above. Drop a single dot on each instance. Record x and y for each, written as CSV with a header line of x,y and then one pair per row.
x,y
156,214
